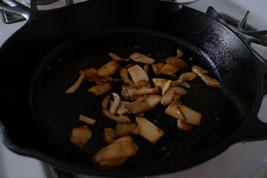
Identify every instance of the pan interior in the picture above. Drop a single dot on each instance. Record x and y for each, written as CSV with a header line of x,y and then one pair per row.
x,y
57,113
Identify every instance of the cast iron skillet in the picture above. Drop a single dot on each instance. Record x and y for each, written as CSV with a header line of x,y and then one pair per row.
x,y
37,117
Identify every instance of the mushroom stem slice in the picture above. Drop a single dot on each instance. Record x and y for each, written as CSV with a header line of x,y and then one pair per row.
x,y
80,136
184,126
137,73
123,129
187,76
125,77
206,79
138,57
114,106
76,85
100,89
87,120
108,69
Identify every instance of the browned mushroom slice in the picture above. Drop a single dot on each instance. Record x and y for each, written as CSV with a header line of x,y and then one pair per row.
x,y
109,135
184,113
178,63
110,79
100,89
138,57
122,109
120,118
206,79
123,147
143,104
179,53
146,67
145,90
87,120
80,136
187,76
115,57
124,92
125,77
137,73
90,75
148,130
123,129
114,106
166,87
157,68
173,110
108,69
170,96
141,84
112,163
185,84
184,126
159,82
76,85
169,69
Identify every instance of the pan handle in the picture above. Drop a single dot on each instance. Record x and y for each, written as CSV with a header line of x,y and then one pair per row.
x,y
254,129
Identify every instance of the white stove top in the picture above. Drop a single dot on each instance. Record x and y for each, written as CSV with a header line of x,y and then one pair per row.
x,y
241,160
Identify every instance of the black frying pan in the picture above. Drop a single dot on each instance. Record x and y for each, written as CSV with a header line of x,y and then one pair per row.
x,y
37,117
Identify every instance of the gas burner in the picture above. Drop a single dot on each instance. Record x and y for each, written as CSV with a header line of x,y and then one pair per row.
x,y
249,34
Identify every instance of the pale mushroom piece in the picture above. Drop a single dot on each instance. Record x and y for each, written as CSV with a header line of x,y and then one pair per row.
x,y
110,135
122,109
149,130
143,104
206,79
125,77
138,57
110,79
169,69
123,147
159,82
146,68
145,90
170,96
166,87
180,53
177,62
137,73
76,85
183,125
187,76
114,106
141,84
87,120
173,110
112,163
157,68
185,84
123,129
108,69
191,116
80,136
100,89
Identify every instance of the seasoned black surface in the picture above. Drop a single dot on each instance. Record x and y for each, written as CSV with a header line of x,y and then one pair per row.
x,y
38,116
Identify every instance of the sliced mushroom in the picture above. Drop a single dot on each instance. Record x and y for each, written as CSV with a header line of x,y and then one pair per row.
x,y
145,90
87,120
169,96
108,69
112,163
137,73
141,84
138,57
184,126
169,69
184,113
125,77
187,76
157,68
159,82
90,76
185,84
120,118
100,89
76,85
143,104
179,53
110,79
206,79
166,87
80,136
122,109
146,67
121,148
115,57
109,135
124,92
176,62
114,106
148,130
123,129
